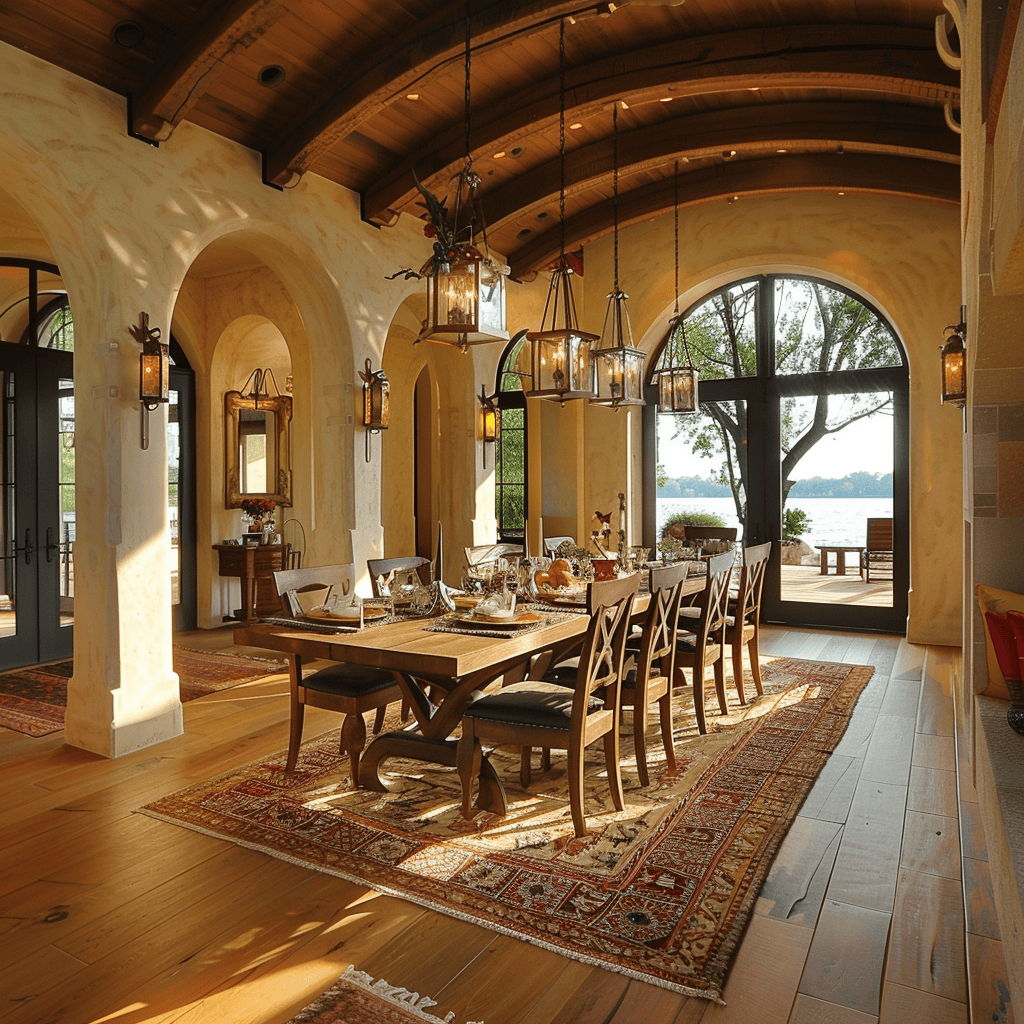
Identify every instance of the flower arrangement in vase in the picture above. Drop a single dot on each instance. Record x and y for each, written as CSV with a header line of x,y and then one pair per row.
x,y
258,513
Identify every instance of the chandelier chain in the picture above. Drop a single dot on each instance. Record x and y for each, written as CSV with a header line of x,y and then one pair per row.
x,y
676,203
615,189
468,62
561,133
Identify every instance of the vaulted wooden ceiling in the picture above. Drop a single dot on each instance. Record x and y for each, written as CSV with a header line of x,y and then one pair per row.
x,y
716,100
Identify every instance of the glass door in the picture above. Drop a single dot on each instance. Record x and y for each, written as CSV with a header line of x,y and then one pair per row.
x,y
38,516
181,502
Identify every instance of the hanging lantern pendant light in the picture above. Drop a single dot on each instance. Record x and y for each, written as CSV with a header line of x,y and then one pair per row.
x,y
618,365
560,355
465,285
677,383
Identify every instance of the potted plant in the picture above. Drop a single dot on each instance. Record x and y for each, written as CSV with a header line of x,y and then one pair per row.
x,y
794,525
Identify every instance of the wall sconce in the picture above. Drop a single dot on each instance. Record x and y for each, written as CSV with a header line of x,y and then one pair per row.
x,y
954,364
488,420
376,402
154,373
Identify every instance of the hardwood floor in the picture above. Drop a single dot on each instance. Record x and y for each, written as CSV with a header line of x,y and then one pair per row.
x,y
108,915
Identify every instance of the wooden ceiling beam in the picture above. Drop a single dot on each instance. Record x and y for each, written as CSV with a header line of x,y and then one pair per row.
x,y
866,58
391,72
917,132
176,85
850,172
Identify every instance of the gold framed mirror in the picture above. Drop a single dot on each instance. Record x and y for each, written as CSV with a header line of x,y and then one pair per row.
x,y
257,448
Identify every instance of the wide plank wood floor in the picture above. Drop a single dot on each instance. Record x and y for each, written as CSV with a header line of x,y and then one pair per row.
x,y
108,915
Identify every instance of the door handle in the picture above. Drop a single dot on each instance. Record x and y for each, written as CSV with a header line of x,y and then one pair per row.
x,y
50,546
28,549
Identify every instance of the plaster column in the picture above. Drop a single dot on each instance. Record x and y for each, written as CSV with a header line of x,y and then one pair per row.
x,y
124,692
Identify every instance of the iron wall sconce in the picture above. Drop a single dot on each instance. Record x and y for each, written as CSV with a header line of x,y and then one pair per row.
x,y
954,363
376,402
154,373
488,420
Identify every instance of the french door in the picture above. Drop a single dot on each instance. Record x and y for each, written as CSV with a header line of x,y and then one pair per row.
x,y
37,519
803,423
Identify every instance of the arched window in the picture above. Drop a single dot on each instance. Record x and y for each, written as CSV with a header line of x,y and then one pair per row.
x,y
511,448
802,429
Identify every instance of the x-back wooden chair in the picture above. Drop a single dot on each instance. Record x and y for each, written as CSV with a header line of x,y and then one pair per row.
x,y
743,624
649,678
541,714
351,690
704,645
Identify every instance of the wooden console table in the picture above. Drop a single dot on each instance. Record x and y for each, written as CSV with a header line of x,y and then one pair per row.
x,y
254,565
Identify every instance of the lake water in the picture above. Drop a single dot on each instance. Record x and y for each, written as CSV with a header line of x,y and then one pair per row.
x,y
833,520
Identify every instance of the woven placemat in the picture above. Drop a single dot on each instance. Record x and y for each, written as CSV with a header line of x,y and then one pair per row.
x,y
451,624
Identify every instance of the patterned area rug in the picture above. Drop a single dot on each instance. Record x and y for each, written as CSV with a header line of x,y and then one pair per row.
x,y
32,700
660,891
358,999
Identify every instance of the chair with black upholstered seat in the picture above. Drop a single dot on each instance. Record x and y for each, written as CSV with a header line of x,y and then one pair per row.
x,y
351,690
743,622
700,642
540,714
648,679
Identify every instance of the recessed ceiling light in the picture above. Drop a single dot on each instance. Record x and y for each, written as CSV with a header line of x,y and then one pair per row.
x,y
412,96
666,99
127,34
841,193
517,151
542,215
575,126
782,151
728,154
271,76
525,233
754,88
499,155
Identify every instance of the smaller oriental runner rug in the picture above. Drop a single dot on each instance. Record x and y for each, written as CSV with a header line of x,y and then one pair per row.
x,y
660,891
357,999
32,700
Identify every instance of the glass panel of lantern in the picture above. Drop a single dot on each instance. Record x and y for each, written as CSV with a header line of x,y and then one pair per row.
x,y
618,375
376,400
467,301
561,364
954,379
154,372
677,389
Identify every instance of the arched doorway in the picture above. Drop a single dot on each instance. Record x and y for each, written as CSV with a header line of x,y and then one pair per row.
x,y
804,408
37,465
511,479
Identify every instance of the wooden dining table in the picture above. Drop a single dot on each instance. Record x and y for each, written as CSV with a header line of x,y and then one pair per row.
x,y
457,668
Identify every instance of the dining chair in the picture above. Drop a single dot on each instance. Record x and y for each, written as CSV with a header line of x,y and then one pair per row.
x,y
536,713
652,652
484,553
743,621
551,544
406,564
700,641
878,550
348,689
